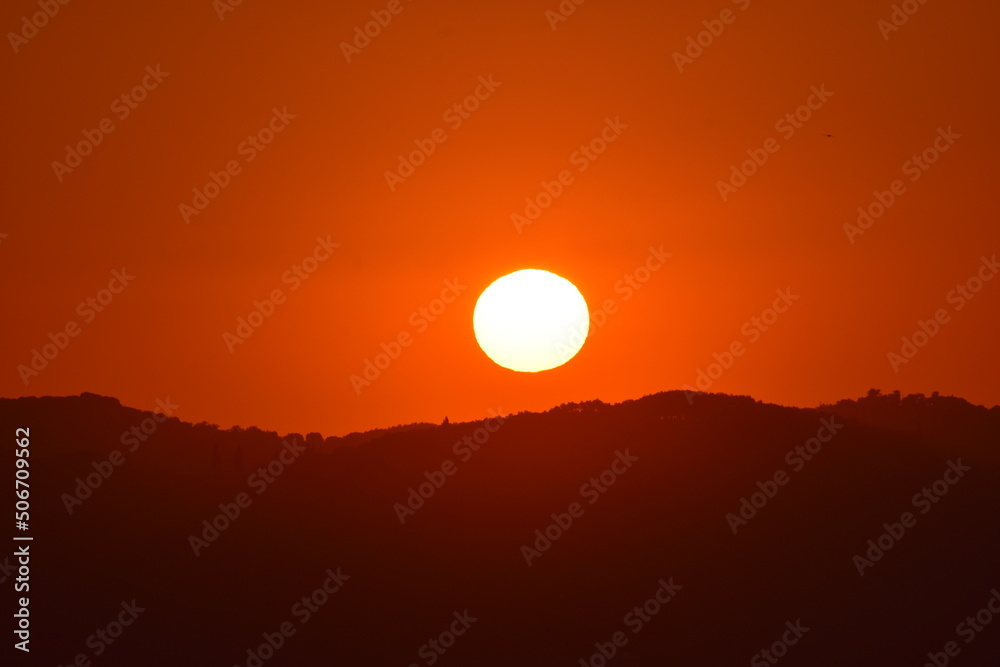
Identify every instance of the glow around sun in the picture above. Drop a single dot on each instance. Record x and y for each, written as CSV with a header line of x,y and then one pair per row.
x,y
531,320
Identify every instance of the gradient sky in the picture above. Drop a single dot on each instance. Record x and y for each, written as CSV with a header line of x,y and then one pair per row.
x,y
655,185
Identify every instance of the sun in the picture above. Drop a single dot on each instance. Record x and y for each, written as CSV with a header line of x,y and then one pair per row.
x,y
531,320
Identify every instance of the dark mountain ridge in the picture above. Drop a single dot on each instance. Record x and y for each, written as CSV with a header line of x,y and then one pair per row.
x,y
554,530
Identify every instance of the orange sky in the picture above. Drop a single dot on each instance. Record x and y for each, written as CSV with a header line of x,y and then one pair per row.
x,y
336,127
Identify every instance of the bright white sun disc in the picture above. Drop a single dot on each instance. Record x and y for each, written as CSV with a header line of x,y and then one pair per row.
x,y
531,320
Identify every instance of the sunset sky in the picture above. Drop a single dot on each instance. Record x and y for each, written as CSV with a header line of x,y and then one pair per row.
x,y
300,125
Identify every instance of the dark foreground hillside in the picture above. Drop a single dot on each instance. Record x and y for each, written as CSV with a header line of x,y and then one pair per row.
x,y
652,532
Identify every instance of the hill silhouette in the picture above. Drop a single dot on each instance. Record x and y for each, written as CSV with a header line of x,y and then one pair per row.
x,y
671,529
